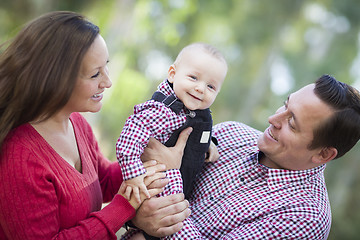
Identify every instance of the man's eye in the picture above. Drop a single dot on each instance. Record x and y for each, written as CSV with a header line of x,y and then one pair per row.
x,y
96,75
290,125
285,104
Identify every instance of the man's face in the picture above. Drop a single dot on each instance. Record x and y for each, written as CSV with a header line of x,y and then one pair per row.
x,y
285,142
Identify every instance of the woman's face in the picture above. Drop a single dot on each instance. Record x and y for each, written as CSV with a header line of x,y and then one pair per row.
x,y
92,80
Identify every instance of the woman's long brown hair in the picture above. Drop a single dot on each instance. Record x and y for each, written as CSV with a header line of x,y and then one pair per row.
x,y
39,68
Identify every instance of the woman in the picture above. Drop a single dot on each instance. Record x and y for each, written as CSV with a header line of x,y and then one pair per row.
x,y
53,177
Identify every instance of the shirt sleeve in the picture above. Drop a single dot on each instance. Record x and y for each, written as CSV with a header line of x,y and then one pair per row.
x,y
278,227
285,226
151,119
175,184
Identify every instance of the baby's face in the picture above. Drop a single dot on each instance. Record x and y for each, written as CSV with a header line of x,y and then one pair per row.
x,y
197,78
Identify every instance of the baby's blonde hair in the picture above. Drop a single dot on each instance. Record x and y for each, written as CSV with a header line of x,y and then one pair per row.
x,y
204,46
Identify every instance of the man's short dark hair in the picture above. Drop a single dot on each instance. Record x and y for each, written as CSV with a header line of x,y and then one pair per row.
x,y
342,129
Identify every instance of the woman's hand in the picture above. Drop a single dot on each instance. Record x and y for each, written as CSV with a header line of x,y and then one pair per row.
x,y
170,156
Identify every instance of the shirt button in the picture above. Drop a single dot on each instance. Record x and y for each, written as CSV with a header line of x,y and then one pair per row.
x,y
242,179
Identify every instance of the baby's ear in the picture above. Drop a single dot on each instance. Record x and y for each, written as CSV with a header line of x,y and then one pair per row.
x,y
171,73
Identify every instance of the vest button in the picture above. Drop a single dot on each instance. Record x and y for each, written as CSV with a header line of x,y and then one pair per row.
x,y
192,114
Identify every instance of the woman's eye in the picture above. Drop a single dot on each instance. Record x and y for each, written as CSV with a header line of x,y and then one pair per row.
x,y
96,75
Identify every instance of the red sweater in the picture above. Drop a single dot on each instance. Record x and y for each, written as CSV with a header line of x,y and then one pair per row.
x,y
43,197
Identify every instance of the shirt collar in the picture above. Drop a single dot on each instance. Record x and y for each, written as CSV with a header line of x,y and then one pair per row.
x,y
166,88
277,178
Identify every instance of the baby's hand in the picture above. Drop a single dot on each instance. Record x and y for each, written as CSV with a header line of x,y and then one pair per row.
x,y
135,186
212,155
151,179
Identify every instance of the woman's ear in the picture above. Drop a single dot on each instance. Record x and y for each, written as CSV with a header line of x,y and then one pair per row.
x,y
171,73
325,155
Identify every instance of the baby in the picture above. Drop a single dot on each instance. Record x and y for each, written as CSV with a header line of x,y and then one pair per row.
x,y
181,101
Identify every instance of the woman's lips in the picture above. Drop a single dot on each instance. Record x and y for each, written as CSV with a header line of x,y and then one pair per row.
x,y
97,96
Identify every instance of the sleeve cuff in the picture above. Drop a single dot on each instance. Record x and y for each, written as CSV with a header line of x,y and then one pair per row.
x,y
175,184
116,214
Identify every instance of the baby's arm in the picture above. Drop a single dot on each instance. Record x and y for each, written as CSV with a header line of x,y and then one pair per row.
x,y
135,186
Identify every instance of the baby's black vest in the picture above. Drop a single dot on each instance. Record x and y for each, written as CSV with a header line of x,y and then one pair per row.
x,y
198,142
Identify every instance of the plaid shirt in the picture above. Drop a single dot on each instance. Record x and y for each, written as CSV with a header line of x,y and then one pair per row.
x,y
239,198
150,119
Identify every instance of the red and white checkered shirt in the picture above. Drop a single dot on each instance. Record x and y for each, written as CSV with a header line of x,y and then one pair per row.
x,y
238,198
150,119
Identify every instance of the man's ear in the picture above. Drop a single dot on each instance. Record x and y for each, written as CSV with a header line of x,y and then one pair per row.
x,y
171,73
325,155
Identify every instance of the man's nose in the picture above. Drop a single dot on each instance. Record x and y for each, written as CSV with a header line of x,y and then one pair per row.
x,y
277,119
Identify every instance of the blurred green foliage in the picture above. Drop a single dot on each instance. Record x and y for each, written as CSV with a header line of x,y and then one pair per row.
x,y
272,48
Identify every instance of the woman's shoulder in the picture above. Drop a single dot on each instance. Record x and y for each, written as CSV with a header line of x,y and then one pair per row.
x,y
21,135
20,149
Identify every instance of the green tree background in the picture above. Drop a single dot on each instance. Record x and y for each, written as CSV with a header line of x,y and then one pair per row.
x,y
272,48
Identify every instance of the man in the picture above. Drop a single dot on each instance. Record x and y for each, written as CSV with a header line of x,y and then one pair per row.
x,y
271,185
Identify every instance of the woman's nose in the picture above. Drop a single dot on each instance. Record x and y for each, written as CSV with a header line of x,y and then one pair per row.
x,y
106,81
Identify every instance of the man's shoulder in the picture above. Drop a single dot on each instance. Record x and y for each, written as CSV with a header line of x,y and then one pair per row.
x,y
235,138
236,128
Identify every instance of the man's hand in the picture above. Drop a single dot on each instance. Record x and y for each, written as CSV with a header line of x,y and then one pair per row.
x,y
170,156
162,216
212,154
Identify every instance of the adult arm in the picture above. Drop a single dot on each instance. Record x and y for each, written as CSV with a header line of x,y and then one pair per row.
x,y
283,226
29,203
43,197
